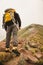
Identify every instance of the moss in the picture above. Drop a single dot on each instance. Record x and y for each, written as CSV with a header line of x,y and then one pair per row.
x,y
22,61
1,63
41,48
40,62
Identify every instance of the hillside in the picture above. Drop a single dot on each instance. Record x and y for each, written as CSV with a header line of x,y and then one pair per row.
x,y
30,47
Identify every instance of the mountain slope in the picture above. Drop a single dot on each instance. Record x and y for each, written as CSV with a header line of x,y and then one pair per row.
x,y
33,32
33,35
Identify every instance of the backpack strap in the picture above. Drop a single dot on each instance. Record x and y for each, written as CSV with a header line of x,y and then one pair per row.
x,y
13,20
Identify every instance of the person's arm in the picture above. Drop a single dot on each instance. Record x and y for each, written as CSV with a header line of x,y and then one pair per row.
x,y
18,19
4,24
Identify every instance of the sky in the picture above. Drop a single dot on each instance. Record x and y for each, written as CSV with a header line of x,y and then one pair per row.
x,y
30,11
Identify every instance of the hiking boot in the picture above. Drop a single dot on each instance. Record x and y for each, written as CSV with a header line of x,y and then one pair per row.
x,y
14,50
7,50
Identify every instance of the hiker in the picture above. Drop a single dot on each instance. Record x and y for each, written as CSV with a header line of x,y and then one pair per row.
x,y
11,23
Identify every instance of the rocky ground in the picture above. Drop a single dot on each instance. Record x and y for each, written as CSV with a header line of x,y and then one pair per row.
x,y
30,47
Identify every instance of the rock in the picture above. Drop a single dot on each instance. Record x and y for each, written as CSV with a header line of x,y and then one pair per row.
x,y
34,45
2,46
33,50
22,61
29,56
38,55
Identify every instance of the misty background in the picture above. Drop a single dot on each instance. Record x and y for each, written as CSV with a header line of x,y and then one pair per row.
x,y
30,11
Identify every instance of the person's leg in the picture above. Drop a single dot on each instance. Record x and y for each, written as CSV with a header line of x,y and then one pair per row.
x,y
15,37
15,41
8,36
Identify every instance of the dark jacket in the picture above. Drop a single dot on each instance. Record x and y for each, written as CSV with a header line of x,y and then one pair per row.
x,y
17,18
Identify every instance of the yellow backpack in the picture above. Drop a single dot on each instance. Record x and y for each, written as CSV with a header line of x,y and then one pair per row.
x,y
8,15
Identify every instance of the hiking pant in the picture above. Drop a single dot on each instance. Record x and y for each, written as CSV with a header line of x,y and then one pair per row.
x,y
11,30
